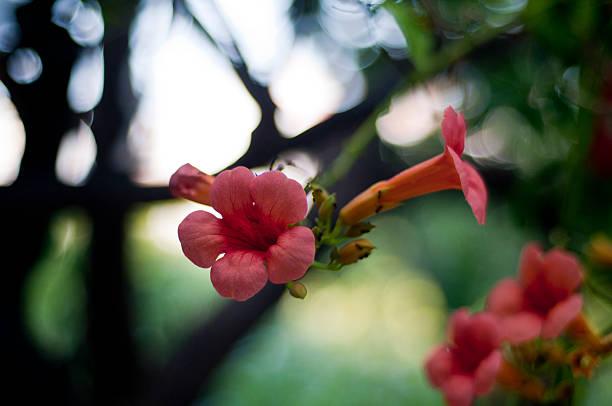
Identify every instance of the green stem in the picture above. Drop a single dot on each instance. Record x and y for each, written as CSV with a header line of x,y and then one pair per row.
x,y
319,265
326,267
337,228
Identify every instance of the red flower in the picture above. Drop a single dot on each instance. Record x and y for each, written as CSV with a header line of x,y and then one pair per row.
x,y
466,367
445,171
253,233
542,302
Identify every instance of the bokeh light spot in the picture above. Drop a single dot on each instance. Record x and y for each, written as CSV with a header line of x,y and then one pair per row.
x,y
86,81
76,156
305,90
12,139
24,65
416,114
194,109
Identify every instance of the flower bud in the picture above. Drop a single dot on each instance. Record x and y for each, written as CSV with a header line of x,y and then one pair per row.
x,y
583,362
358,229
599,250
582,330
355,250
327,207
319,195
188,182
298,290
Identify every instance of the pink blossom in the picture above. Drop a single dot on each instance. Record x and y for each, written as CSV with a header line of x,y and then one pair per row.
x,y
542,302
442,172
467,365
254,233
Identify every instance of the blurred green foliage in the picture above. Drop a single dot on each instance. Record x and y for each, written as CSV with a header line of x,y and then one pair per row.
x,y
55,296
420,40
170,295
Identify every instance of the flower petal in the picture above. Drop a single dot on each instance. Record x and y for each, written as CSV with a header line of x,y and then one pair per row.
x,y
521,327
438,365
458,325
453,130
230,194
485,374
505,298
459,390
473,187
530,263
201,238
563,270
561,315
479,333
475,340
290,257
190,183
239,274
279,198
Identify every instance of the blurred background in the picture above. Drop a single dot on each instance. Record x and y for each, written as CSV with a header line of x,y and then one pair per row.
x,y
100,102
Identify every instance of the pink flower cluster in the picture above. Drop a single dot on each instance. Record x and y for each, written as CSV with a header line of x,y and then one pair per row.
x,y
542,303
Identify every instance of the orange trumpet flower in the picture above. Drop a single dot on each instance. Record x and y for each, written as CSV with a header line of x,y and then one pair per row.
x,y
445,171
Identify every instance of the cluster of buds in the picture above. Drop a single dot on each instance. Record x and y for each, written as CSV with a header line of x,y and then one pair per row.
x,y
328,235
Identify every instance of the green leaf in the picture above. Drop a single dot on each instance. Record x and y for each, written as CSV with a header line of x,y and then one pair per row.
x,y
415,31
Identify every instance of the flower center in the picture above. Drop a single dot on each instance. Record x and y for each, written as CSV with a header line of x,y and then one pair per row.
x,y
251,231
542,296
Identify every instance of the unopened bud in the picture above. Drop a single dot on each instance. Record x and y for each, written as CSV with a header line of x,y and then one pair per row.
x,y
298,290
599,250
358,229
188,182
328,206
319,195
582,330
355,250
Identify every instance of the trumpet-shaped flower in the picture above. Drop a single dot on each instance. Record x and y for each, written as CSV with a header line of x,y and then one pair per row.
x,y
254,233
467,365
445,171
542,302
